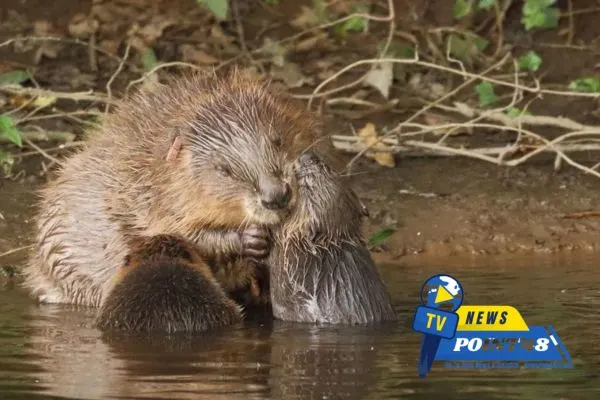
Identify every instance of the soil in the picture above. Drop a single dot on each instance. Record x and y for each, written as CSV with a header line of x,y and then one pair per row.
x,y
436,206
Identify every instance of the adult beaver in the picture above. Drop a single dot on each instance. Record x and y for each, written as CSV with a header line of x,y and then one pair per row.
x,y
208,157
165,286
320,267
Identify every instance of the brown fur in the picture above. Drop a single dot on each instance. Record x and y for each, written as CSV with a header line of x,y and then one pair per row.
x,y
194,158
321,270
165,286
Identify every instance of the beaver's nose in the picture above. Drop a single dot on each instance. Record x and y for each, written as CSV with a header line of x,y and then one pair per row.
x,y
276,197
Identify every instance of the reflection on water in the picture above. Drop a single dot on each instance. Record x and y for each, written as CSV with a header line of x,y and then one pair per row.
x,y
53,352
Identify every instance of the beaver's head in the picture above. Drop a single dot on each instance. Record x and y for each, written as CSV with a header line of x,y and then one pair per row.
x,y
242,147
325,208
321,271
247,167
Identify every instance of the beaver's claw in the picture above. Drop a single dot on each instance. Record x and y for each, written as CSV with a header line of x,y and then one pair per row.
x,y
255,242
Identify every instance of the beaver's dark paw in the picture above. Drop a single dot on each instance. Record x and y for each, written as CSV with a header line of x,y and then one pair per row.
x,y
255,242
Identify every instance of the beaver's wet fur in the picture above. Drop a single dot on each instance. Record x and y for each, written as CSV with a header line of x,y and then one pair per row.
x,y
165,286
207,157
321,270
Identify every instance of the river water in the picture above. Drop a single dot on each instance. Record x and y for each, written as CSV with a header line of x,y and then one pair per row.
x,y
51,352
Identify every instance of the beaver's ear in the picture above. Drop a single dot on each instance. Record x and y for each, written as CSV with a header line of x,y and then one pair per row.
x,y
175,148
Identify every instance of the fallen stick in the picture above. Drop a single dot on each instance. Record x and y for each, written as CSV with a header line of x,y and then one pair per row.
x,y
582,214
539,120
43,136
75,96
353,144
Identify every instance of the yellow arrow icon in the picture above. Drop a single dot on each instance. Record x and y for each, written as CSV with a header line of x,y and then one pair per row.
x,y
442,295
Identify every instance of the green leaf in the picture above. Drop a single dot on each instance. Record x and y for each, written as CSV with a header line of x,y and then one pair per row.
x,y
9,131
380,236
486,4
487,97
534,6
149,59
357,24
588,85
530,61
514,112
14,77
218,7
6,162
461,9
540,18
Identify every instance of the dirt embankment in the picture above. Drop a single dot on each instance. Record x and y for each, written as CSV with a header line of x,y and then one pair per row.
x,y
451,206
437,208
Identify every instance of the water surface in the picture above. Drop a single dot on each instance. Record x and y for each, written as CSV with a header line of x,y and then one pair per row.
x,y
49,352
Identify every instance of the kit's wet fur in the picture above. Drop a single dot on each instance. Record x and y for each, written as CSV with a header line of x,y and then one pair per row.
x,y
320,267
165,286
207,157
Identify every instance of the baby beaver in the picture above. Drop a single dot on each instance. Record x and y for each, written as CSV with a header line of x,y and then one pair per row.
x,y
320,267
165,286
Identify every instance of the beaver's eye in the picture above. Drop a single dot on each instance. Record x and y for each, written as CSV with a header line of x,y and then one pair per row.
x,y
277,141
223,169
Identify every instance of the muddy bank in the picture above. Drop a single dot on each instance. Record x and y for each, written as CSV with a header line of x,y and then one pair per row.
x,y
454,206
437,207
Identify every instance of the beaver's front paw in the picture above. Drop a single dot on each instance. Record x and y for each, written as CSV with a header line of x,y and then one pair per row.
x,y
255,241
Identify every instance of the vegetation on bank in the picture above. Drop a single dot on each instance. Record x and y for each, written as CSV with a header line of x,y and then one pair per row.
x,y
464,80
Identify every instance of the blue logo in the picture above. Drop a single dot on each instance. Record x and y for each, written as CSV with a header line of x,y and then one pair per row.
x,y
480,336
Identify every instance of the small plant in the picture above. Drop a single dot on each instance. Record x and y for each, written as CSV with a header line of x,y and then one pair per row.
x,y
534,14
539,14
530,61
486,94
354,24
514,112
462,8
380,236
588,85
9,131
149,60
